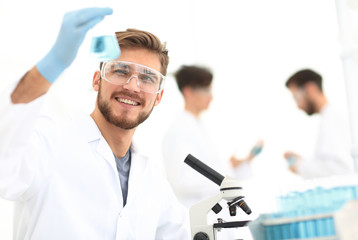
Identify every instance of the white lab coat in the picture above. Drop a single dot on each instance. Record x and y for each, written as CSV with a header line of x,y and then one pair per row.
x,y
188,135
332,151
63,177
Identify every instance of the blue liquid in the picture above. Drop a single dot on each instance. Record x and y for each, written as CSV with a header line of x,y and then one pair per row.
x,y
256,150
105,48
291,161
314,201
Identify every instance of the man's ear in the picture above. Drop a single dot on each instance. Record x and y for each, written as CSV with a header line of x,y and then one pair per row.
x,y
159,98
96,80
187,92
311,88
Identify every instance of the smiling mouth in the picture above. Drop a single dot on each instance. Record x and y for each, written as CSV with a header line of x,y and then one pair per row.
x,y
127,101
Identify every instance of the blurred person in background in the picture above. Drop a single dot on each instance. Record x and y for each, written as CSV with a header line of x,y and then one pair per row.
x,y
187,134
331,155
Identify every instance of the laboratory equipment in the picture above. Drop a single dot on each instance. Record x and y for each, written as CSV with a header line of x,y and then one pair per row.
x,y
105,47
104,44
74,28
309,212
291,160
256,150
230,190
346,221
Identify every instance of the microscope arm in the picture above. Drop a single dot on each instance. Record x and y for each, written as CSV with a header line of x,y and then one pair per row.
x,y
199,211
198,216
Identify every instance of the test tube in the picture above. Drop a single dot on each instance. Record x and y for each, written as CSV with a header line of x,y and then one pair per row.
x,y
291,161
104,44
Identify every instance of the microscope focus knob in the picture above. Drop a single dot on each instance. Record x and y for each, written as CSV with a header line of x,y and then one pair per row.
x,y
201,236
217,208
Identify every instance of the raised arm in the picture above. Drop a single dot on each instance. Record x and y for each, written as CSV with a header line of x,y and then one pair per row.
x,y
38,80
22,147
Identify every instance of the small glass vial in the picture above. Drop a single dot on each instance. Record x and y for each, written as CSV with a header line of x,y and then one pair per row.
x,y
105,47
291,161
104,44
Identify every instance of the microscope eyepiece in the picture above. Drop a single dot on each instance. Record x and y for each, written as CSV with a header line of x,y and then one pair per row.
x,y
204,169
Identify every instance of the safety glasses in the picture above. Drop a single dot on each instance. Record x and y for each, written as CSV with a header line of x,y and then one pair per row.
x,y
121,73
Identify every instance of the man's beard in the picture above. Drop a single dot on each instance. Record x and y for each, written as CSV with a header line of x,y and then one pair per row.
x,y
120,121
310,108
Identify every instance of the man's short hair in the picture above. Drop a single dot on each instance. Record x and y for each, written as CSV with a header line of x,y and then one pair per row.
x,y
193,76
304,76
134,38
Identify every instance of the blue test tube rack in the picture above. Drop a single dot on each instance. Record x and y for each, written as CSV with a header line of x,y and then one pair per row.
x,y
308,214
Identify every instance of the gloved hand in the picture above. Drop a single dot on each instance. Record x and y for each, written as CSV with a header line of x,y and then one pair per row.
x,y
74,27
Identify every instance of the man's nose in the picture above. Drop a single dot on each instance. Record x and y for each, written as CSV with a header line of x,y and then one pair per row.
x,y
132,84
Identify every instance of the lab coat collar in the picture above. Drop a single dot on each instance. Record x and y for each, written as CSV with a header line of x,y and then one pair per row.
x,y
190,115
139,162
139,165
92,132
325,108
90,129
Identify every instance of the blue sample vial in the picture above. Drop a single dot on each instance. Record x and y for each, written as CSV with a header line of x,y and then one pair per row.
x,y
105,47
291,161
256,150
104,44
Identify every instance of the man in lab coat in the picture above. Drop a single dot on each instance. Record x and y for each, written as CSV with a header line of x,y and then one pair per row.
x,y
332,151
187,134
84,178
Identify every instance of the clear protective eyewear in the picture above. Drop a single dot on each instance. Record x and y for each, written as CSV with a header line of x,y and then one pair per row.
x,y
121,73
299,94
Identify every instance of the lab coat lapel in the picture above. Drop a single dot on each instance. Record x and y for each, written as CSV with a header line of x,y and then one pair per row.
x,y
105,151
92,133
131,219
136,174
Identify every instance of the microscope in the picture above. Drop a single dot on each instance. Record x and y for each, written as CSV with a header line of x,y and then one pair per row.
x,y
230,190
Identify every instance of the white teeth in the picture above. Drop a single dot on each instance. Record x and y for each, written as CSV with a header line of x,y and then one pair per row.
x,y
127,101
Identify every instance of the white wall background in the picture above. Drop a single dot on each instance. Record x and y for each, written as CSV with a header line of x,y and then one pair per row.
x,y
251,46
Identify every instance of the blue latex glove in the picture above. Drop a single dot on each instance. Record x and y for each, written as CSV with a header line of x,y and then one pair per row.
x,y
73,30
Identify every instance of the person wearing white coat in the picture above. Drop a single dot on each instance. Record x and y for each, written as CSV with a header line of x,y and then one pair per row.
x,y
62,173
332,151
187,134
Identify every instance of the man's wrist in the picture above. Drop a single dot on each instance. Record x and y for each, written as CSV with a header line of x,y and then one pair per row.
x,y
50,68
